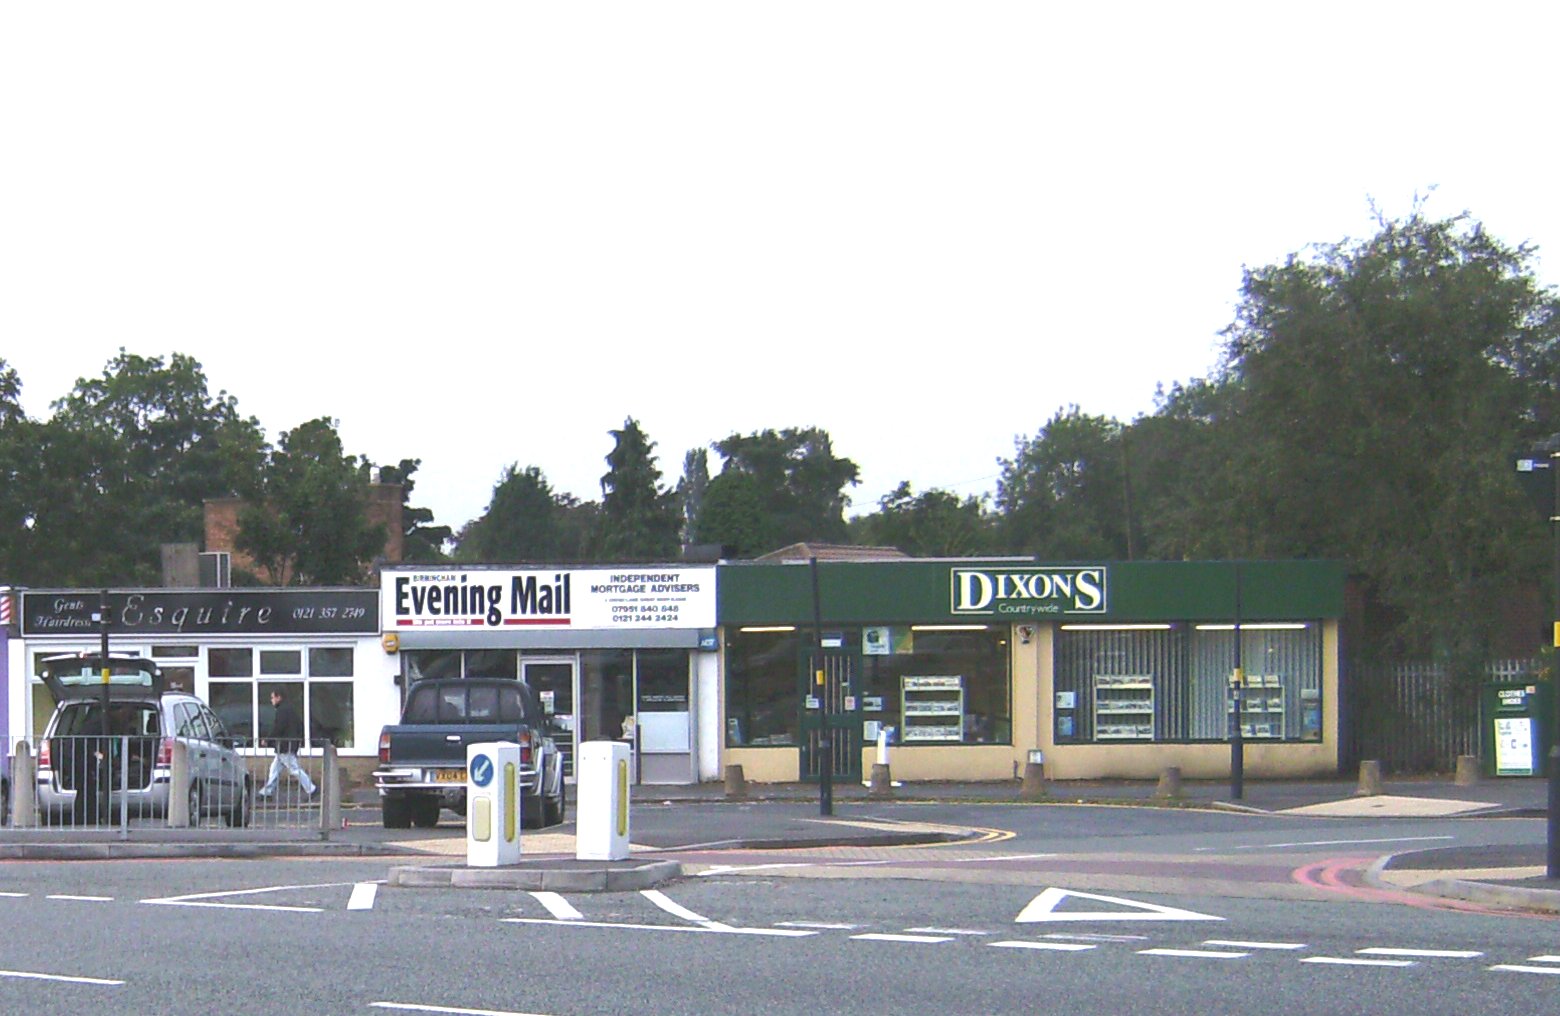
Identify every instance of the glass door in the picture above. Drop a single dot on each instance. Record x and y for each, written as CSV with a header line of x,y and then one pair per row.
x,y
607,700
553,682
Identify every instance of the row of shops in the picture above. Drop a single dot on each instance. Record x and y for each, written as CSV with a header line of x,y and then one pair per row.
x,y
961,669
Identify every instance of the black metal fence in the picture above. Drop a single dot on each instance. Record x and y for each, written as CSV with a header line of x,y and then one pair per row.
x,y
1415,717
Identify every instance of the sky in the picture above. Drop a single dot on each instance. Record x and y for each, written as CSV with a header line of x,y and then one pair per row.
x,y
486,234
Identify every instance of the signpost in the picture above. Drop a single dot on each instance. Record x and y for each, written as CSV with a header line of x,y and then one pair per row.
x,y
1552,463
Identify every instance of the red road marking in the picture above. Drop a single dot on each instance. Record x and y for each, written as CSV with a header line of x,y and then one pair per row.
x,y
1328,876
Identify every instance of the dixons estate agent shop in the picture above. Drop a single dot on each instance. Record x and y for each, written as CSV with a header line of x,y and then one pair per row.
x,y
231,647
621,653
968,666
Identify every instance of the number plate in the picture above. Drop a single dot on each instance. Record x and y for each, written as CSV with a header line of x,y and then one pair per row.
x,y
449,776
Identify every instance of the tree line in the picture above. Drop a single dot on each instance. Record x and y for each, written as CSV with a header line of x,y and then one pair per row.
x,y
1371,399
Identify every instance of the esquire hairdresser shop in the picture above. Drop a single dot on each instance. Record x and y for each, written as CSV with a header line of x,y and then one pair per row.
x,y
614,653
964,669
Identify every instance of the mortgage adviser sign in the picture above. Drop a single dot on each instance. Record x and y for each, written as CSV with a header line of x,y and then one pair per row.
x,y
482,598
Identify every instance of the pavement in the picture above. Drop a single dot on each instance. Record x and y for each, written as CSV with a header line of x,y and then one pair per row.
x,y
787,815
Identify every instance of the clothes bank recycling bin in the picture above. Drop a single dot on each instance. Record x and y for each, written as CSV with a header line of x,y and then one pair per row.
x,y
1516,719
492,804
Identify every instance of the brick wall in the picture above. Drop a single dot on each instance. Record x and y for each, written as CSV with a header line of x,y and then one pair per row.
x,y
221,523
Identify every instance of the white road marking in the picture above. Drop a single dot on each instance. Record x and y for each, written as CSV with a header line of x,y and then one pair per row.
x,y
1325,843
557,906
30,975
1444,954
821,925
1046,946
1237,944
947,931
698,929
1347,961
1097,936
1517,968
1209,954
82,899
1043,908
206,899
727,869
412,1007
13,895
676,909
922,939
363,896
1544,959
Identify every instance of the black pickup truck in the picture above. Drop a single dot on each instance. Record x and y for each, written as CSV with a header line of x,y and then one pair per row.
x,y
422,759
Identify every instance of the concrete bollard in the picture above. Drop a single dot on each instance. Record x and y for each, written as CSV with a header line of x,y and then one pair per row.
x,y
736,784
24,786
179,816
1467,770
1033,787
1169,783
1370,779
330,792
881,786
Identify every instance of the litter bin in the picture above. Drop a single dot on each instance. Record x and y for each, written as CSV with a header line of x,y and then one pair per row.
x,y
1515,719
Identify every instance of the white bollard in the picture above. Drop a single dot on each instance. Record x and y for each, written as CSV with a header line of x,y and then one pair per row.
x,y
601,809
492,804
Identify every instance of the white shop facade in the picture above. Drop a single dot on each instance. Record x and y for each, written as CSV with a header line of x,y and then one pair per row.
x,y
622,652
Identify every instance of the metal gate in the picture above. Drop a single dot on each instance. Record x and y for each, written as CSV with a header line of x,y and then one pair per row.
x,y
831,707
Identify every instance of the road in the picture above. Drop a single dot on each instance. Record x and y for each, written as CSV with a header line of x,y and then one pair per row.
x,y
1088,910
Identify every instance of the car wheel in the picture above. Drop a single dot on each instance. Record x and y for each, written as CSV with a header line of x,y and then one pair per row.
x,y
243,809
425,813
555,807
532,812
395,812
195,804
5,802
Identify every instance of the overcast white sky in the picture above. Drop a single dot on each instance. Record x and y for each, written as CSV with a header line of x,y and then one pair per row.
x,y
485,233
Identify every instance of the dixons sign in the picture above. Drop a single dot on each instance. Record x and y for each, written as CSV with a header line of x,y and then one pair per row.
x,y
1029,591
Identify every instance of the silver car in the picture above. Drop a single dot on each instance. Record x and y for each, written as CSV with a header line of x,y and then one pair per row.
x,y
108,748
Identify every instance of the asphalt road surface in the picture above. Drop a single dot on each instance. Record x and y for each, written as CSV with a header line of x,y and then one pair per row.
x,y
1055,910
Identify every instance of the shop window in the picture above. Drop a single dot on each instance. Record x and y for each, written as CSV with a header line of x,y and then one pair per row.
x,y
1171,682
937,684
234,704
762,677
330,662
330,713
492,663
281,661
230,662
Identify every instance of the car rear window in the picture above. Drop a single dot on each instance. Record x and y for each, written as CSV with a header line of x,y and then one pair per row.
x,y
468,703
78,719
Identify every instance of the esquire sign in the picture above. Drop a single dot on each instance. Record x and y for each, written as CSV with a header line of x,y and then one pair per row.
x,y
1029,591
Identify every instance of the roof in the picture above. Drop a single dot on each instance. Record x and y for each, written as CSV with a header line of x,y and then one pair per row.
x,y
833,552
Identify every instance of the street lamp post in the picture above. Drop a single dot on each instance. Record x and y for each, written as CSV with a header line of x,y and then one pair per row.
x,y
1237,698
1553,867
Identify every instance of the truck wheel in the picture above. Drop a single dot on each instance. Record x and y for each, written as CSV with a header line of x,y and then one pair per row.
x,y
396,812
531,812
425,813
555,806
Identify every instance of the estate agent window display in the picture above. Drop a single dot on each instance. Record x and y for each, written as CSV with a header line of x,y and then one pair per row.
x,y
931,685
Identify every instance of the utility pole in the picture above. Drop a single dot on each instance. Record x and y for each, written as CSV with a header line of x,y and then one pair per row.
x,y
1237,697
820,688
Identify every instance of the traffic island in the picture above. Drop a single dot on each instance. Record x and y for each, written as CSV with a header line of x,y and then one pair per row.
x,y
557,874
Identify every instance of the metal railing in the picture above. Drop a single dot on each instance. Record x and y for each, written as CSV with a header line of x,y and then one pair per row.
x,y
145,785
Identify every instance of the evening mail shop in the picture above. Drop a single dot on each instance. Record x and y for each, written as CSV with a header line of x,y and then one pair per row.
x,y
625,653
232,647
968,667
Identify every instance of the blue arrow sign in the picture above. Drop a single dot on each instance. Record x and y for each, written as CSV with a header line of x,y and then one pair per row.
x,y
482,770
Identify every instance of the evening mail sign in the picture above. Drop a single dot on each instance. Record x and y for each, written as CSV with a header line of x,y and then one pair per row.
x,y
1028,592
495,599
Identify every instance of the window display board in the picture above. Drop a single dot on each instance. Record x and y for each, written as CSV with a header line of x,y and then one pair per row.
x,y
932,709
1261,707
1123,707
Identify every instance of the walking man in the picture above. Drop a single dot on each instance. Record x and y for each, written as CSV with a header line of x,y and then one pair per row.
x,y
286,736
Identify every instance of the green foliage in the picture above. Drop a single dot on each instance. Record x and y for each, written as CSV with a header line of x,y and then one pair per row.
x,y
690,490
734,516
932,524
309,524
799,480
642,519
422,541
526,520
1064,494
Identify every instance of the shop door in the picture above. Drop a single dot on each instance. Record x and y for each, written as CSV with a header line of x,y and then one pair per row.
x,y
834,706
553,682
607,699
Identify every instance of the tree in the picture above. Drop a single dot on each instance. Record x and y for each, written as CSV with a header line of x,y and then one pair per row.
x,y
799,479
1064,494
525,520
641,517
421,541
935,523
309,524
1379,391
734,517
126,464
690,490
19,475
